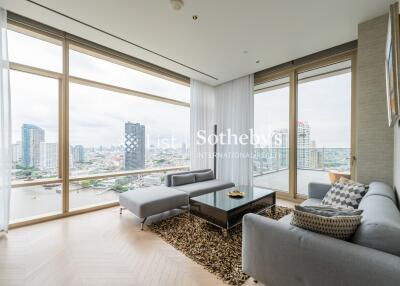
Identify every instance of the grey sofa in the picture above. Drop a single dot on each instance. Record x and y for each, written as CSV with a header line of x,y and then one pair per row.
x,y
277,253
145,202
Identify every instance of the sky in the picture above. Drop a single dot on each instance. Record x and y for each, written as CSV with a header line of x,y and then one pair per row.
x,y
97,117
325,104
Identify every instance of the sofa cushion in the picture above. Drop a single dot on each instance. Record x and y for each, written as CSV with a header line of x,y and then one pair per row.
x,y
145,202
168,177
178,180
200,188
204,176
381,189
380,225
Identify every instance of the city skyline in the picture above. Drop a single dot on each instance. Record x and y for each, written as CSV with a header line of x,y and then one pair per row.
x,y
43,160
275,157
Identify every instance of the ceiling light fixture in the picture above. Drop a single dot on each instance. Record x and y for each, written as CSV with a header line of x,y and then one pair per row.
x,y
195,17
176,4
257,61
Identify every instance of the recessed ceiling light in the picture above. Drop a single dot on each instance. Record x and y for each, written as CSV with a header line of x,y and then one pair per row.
x,y
257,61
245,52
176,4
195,17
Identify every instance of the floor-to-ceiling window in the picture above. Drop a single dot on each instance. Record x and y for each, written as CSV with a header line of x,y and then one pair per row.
x,y
311,104
87,125
113,130
323,124
36,180
271,127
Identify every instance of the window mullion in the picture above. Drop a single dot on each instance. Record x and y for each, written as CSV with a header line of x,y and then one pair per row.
x,y
65,127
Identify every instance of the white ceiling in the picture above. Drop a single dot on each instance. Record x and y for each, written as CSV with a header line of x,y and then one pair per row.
x,y
272,31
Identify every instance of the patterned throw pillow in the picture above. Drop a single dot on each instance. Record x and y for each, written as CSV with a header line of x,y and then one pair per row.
x,y
340,227
328,211
345,195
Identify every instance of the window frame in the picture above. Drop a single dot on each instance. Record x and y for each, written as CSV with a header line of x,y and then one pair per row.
x,y
66,41
276,77
292,72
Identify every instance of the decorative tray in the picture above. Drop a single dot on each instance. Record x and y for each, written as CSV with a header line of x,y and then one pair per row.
x,y
236,194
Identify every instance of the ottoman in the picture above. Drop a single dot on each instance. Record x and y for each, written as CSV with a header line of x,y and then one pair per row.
x,y
145,202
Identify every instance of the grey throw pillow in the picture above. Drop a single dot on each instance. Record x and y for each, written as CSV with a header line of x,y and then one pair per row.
x,y
184,179
204,176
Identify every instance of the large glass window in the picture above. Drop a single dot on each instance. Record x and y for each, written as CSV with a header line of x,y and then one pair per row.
x,y
34,103
271,126
135,130
320,111
36,191
114,131
34,51
111,132
35,201
94,68
324,125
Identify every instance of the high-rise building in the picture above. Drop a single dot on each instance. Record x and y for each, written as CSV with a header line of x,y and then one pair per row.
x,y
183,148
78,154
280,147
134,146
32,136
48,156
303,145
71,157
16,153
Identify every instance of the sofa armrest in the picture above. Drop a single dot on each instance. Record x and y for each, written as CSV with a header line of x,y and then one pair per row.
x,y
276,253
318,190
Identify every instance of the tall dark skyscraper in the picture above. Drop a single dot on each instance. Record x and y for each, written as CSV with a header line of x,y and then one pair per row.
x,y
134,146
32,136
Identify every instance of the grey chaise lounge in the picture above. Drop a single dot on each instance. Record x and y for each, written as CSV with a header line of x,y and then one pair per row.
x,y
145,202
277,253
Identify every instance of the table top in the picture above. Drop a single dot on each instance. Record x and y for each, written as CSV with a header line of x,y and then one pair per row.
x,y
221,200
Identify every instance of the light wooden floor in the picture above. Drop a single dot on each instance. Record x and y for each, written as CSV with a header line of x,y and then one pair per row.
x,y
98,248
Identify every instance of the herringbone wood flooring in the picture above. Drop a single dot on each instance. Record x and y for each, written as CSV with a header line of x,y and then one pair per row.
x,y
98,248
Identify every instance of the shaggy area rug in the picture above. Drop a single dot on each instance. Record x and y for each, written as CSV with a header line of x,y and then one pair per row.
x,y
205,244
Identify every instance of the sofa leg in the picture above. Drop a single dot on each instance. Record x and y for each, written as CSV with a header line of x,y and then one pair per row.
x,y
142,223
255,281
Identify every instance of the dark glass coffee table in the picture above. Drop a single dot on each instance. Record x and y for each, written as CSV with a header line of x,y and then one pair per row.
x,y
225,212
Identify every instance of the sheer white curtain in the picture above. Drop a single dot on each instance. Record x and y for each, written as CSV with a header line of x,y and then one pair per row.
x,y
235,115
5,127
202,119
